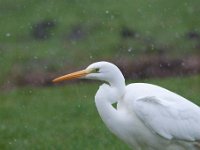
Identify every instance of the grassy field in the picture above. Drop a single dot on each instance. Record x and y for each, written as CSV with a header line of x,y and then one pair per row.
x,y
41,118
87,31
65,117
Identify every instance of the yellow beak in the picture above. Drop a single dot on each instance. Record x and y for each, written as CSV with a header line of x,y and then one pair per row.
x,y
73,75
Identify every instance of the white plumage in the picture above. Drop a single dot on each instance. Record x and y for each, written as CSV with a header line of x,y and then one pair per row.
x,y
147,117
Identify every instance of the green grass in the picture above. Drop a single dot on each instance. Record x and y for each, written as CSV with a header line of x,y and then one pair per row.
x,y
53,118
65,117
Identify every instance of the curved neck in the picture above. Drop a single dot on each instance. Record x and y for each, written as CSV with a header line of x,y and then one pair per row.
x,y
118,82
106,96
106,111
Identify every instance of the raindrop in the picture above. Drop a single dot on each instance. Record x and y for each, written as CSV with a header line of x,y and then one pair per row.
x,y
30,91
152,47
23,106
186,4
177,35
149,5
83,11
139,10
8,34
91,57
112,17
130,49
25,141
3,127
73,42
30,25
8,82
182,64
35,57
45,67
107,12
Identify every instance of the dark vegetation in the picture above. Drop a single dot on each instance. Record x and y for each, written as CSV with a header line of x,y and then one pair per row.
x,y
140,68
42,29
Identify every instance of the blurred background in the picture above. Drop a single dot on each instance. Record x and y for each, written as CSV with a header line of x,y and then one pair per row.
x,y
152,41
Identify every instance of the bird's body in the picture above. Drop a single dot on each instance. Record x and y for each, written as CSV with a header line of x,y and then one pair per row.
x,y
135,129
147,117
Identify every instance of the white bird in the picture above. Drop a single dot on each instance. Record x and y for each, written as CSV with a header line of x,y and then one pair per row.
x,y
147,117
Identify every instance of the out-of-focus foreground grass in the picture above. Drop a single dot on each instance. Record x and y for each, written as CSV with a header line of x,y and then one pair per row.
x,y
65,117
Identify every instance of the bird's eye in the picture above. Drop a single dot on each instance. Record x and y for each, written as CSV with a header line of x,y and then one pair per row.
x,y
96,70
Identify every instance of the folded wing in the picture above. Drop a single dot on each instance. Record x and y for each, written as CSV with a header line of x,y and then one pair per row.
x,y
176,118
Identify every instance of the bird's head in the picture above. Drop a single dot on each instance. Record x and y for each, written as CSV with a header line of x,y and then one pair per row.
x,y
103,71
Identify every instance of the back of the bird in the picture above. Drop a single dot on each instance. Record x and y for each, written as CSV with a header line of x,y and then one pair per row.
x,y
151,139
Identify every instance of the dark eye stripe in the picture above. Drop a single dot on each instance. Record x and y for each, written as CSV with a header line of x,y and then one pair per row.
x,y
96,70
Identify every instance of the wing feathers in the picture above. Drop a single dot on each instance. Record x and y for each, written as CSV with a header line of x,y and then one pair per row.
x,y
178,119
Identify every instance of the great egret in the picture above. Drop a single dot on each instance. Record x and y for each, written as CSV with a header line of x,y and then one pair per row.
x,y
147,117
